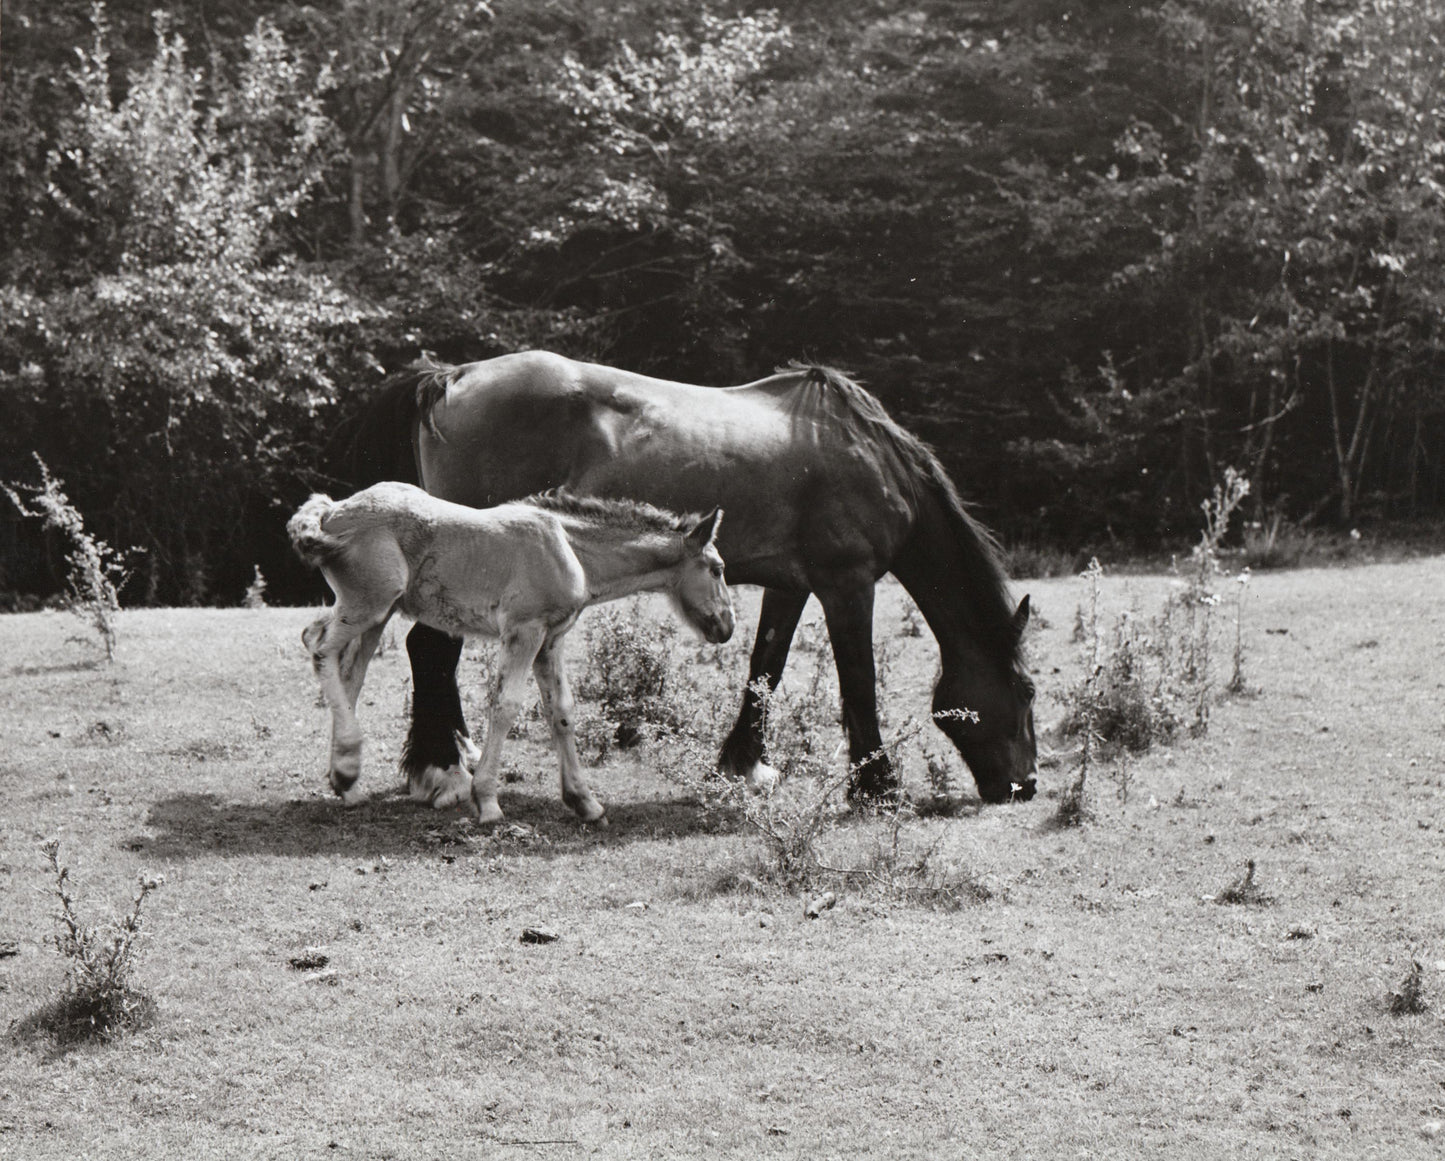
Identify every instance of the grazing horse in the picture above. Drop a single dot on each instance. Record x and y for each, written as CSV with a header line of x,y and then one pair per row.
x,y
521,573
824,492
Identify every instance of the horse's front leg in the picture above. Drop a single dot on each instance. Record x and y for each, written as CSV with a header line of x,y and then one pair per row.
x,y
519,649
561,712
742,754
438,754
849,613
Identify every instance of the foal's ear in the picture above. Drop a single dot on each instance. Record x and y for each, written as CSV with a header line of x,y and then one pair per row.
x,y
706,530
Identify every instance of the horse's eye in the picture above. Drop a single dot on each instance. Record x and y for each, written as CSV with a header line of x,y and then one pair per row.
x,y
717,571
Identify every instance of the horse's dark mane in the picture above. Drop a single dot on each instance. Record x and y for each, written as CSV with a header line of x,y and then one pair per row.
x,y
626,515
984,576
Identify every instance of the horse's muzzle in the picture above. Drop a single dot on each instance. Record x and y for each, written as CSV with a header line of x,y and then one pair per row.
x,y
718,630
1023,791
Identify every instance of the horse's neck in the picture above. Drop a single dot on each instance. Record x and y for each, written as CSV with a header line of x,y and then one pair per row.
x,y
618,563
934,566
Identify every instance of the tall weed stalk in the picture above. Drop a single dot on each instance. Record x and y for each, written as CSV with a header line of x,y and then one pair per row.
x,y
95,571
100,1000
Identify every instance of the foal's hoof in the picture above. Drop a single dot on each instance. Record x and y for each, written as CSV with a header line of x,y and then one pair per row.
x,y
484,813
587,808
344,788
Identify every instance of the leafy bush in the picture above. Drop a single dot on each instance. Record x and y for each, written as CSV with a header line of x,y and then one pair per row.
x,y
630,675
176,369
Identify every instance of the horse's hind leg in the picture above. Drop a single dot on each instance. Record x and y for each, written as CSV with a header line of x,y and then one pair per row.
x,y
561,713
742,754
519,648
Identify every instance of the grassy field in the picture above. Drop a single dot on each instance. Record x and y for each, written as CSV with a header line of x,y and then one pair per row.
x,y
1099,1003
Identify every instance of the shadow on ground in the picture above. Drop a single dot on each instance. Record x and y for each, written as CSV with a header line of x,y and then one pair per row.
x,y
185,826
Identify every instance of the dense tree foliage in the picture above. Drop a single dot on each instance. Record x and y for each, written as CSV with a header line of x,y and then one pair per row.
x,y
1094,251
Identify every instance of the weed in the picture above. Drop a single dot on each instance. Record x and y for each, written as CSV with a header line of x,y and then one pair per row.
x,y
1408,996
1237,683
255,597
909,869
96,571
797,819
1084,706
1156,675
99,1000
630,676
1244,891
943,799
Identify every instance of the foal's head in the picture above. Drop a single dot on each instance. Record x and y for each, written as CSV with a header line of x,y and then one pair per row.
x,y
699,590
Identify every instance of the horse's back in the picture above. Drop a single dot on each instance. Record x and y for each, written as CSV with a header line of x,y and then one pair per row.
x,y
800,488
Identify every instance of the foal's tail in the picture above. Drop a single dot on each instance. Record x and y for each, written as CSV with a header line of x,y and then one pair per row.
x,y
313,545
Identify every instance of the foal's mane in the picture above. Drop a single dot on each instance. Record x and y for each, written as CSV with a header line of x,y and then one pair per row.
x,y
624,515
984,580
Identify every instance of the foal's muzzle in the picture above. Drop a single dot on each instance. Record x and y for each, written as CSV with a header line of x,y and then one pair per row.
x,y
718,629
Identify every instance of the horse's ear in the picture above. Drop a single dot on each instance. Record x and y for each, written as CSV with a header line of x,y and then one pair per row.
x,y
1021,619
705,532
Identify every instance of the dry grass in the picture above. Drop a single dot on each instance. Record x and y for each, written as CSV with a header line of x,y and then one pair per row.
x,y
1097,1002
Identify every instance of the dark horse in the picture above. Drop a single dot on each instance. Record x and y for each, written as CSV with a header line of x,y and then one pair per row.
x,y
824,494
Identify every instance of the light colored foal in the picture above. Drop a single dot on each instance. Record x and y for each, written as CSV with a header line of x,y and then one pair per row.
x,y
521,573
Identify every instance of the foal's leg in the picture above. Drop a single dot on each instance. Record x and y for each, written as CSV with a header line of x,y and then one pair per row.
x,y
327,638
355,659
849,612
742,754
519,648
561,710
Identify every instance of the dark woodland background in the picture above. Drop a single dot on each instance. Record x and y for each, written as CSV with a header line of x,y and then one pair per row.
x,y
1094,252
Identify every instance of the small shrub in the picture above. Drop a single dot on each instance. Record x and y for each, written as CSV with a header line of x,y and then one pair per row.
x,y
255,597
1408,997
1244,891
96,571
629,675
99,1000
1035,561
1156,676
1277,543
907,868
805,810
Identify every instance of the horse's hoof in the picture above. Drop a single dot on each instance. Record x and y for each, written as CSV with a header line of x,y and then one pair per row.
x,y
454,789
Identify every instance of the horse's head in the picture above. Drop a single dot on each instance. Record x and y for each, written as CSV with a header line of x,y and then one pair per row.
x,y
700,591
988,712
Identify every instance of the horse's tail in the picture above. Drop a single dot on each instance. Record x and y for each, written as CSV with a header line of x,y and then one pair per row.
x,y
313,545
